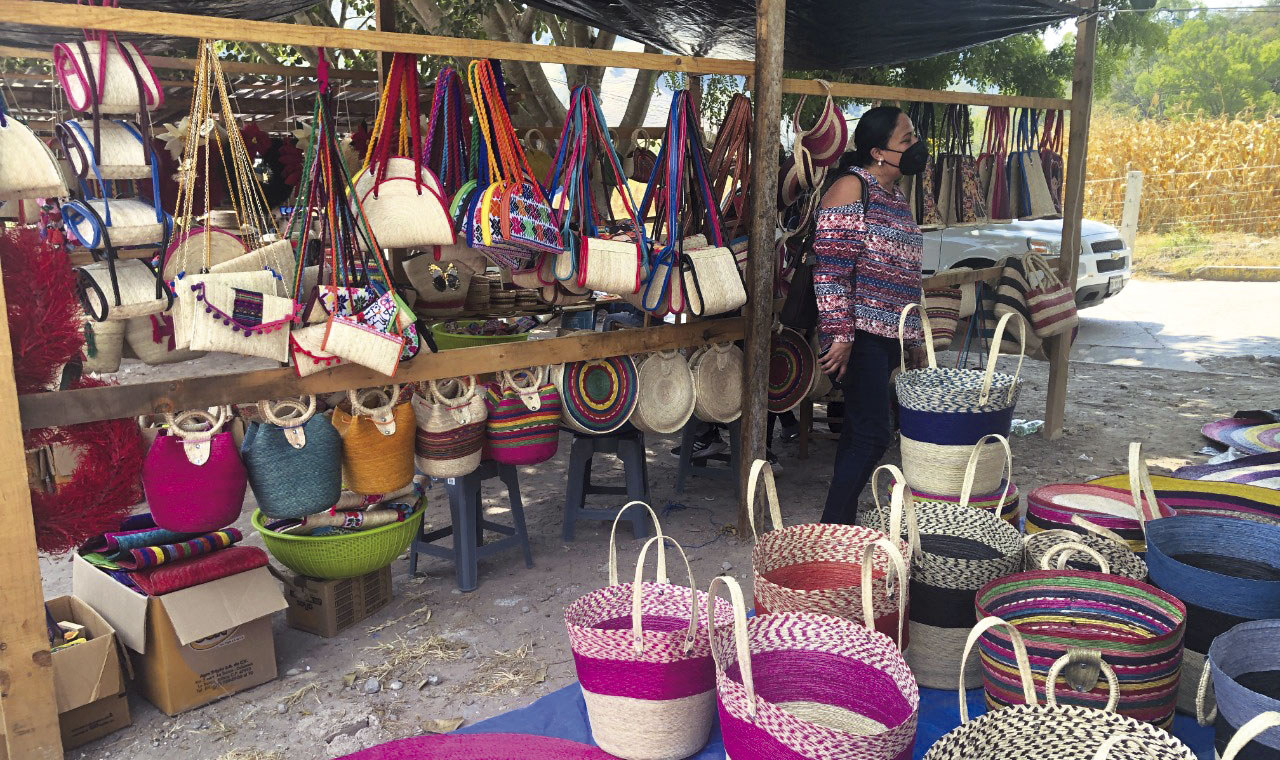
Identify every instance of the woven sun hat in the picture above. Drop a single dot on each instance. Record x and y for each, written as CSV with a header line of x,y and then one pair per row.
x,y
643,658
1115,555
957,391
294,459
1226,571
1211,498
717,383
597,396
955,470
481,747
1123,511
1262,470
1138,629
802,685
791,369
1009,510
1243,663
1252,436
666,396
1052,731
832,569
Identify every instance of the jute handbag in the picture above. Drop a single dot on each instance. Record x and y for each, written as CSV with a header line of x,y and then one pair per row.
x,y
294,459
597,396
1241,667
717,386
993,178
193,477
523,424
151,338
186,307
1051,731
829,569
959,391
103,345
110,149
1107,552
106,75
957,470
804,685
666,396
643,658
451,427
377,441
29,170
1051,303
241,321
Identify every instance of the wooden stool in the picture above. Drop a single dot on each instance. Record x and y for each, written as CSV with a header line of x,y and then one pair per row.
x,y
469,525
688,467
626,444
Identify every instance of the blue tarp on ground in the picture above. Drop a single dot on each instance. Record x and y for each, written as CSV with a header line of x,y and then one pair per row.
x,y
563,714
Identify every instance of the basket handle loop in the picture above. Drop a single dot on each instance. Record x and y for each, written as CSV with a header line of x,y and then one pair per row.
x,y
637,629
613,549
899,567
1081,521
770,492
305,409
528,393
214,420
1247,733
358,407
988,376
901,504
928,336
966,488
739,634
1202,697
1088,657
466,389
1019,655
1066,549
1132,742
1140,488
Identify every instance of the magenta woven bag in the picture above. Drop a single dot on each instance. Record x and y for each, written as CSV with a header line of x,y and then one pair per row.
x,y
523,426
193,477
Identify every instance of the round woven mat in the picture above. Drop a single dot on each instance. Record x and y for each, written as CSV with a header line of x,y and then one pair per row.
x,y
791,368
599,396
481,747
1248,435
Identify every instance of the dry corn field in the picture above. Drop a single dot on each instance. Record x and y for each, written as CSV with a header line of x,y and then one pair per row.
x,y
1206,174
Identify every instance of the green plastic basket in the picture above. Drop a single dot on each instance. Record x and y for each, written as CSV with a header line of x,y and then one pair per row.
x,y
448,340
343,556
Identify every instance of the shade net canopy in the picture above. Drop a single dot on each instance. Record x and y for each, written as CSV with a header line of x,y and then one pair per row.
x,y
821,34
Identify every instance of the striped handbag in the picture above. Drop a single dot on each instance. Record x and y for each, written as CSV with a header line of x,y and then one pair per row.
x,y
597,396
451,427
523,423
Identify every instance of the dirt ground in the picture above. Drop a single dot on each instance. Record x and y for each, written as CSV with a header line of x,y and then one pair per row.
x,y
504,645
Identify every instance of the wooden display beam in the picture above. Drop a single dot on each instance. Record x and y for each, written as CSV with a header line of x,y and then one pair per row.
x,y
115,401
990,275
878,92
230,67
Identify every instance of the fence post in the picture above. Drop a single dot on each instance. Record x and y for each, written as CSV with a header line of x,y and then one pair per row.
x,y
1129,215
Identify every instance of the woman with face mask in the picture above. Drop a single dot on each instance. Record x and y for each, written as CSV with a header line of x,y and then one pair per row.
x,y
868,268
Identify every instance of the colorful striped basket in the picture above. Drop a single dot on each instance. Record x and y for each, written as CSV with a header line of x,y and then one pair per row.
x,y
810,686
1244,668
831,569
1209,497
792,366
1138,630
523,424
451,419
1261,470
1051,731
597,396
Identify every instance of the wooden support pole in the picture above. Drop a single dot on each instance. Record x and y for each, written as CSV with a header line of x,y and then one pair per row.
x,y
771,17
1129,213
27,703
1059,348
384,19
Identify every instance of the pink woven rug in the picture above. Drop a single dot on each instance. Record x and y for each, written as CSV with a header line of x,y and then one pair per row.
x,y
481,747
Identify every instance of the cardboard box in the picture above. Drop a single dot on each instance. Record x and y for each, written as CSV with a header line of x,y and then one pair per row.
x,y
327,607
195,645
94,721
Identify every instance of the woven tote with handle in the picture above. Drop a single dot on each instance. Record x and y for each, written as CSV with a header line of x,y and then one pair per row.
x,y
1052,731
523,422
803,685
1118,557
666,395
294,459
377,440
962,391
1242,668
451,427
151,338
717,390
1051,303
1236,748
193,477
29,170
1137,629
1009,510
954,470
834,570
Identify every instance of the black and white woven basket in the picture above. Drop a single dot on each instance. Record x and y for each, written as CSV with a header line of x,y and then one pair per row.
x,y
1120,559
955,390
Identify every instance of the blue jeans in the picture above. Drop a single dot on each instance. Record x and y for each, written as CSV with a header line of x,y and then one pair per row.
x,y
868,423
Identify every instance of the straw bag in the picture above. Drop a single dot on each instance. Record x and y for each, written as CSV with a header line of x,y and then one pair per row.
x,y
186,307
717,383
451,427
960,199
801,685
205,248
115,222
597,396
643,658
666,397
276,257
114,151
1137,629
848,571
1051,143
1242,668
103,346
305,352
441,284
105,75
957,391
523,424
942,306
294,459
29,169
1115,555
1008,509
792,368
1051,303
993,178
151,338
377,441
120,289
920,189
1029,190
1122,511
241,321
1224,570
957,470
1051,731
193,478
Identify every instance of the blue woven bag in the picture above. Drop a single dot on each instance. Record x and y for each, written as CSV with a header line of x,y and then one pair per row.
x,y
294,463
1245,667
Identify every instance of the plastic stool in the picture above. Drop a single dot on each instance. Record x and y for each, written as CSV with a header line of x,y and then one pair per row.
x,y
469,525
628,445
687,466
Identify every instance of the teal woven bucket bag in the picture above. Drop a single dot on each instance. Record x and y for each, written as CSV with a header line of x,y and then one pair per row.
x,y
294,459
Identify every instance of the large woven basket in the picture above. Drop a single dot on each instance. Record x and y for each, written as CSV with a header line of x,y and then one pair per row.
x,y
451,417
1137,628
104,345
1051,731
831,569
1242,667
1211,498
1113,554
810,686
665,397
955,470
294,459
957,391
377,441
347,555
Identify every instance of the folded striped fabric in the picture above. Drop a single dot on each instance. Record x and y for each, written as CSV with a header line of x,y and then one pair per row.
x,y
135,532
155,581
151,556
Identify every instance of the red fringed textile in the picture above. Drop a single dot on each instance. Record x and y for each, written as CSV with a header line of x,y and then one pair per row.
x,y
44,315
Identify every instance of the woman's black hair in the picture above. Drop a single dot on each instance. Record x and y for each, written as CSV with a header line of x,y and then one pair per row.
x,y
874,129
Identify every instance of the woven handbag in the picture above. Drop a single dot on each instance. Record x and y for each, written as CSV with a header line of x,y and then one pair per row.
x,y
1028,186
1226,572
1243,665
1057,506
103,346
597,396
643,658
993,179
151,338
120,289
1209,497
377,441
1236,748
957,391
1052,731
193,477
666,397
523,421
953,470
960,201
241,321
942,305
105,75
451,427
1137,629
717,384
115,151
30,169
1051,144
1106,554
831,569
275,256
803,685
294,459
1051,303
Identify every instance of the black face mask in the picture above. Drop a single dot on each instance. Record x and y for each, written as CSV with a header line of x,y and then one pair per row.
x,y
913,159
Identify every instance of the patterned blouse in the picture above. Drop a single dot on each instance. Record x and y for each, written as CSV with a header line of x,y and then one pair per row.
x,y
868,265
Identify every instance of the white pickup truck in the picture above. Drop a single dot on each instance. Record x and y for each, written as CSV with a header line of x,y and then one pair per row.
x,y
1104,259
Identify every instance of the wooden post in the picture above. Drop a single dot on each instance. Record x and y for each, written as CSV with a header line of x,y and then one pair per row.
x,y
384,19
1129,216
27,703
770,27
1059,348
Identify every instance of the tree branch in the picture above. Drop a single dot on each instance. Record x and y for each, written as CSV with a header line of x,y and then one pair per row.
x,y
641,95
428,13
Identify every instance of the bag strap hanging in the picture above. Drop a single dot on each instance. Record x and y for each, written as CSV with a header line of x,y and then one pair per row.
x,y
397,129
729,165
446,151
